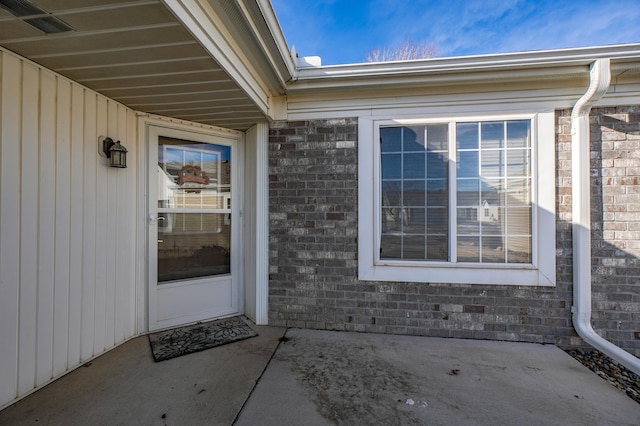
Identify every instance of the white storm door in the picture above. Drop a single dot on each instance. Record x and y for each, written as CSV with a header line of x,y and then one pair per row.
x,y
193,227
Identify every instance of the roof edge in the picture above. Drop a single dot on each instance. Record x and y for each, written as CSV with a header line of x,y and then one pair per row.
x,y
275,31
529,59
269,36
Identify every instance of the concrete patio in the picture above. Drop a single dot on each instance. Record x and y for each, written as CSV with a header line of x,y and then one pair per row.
x,y
316,377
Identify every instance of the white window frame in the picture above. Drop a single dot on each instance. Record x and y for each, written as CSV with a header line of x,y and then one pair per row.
x,y
542,270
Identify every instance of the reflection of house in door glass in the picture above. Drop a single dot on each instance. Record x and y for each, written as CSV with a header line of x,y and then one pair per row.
x,y
194,200
194,178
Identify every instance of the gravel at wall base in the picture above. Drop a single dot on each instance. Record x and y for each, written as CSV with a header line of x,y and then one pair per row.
x,y
610,370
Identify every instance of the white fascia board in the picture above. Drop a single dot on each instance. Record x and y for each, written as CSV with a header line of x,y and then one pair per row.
x,y
267,35
208,29
275,33
488,67
436,77
577,56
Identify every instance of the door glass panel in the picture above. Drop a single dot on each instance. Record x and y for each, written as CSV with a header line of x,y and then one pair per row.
x,y
194,209
193,175
192,245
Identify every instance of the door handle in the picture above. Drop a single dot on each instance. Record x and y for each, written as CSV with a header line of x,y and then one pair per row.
x,y
153,217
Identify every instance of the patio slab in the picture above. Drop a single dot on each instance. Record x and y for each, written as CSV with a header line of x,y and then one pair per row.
x,y
326,378
126,387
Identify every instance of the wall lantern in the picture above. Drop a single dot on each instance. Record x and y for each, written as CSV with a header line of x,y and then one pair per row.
x,y
116,153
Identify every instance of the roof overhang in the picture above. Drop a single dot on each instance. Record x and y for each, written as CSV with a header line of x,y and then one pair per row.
x,y
226,62
218,62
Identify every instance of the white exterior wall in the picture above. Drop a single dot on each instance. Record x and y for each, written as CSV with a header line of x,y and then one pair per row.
x,y
256,224
67,227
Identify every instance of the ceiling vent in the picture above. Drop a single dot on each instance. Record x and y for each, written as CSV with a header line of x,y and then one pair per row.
x,y
32,15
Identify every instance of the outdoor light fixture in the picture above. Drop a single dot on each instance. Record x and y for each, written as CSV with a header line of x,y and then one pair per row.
x,y
116,153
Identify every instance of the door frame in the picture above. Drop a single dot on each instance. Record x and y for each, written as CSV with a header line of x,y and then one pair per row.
x,y
184,287
253,299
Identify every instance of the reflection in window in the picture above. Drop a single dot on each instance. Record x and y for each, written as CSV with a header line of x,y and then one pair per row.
x,y
492,184
194,209
193,175
414,192
494,208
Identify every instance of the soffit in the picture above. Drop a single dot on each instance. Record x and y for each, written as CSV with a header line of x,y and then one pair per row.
x,y
137,53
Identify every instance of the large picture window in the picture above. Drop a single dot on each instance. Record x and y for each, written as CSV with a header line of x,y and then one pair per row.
x,y
489,191
456,193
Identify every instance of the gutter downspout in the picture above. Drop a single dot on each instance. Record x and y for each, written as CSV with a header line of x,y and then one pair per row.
x,y
600,77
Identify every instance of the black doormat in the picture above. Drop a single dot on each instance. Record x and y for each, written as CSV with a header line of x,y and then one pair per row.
x,y
198,337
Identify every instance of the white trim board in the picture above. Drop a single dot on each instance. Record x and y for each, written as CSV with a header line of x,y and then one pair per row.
x,y
540,273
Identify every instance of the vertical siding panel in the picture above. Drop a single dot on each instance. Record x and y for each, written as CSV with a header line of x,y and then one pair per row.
x,y
9,224
46,228
68,227
62,228
113,219
77,190
123,248
89,227
101,235
28,229
134,217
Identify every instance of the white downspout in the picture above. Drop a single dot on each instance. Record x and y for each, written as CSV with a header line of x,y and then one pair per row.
x,y
581,217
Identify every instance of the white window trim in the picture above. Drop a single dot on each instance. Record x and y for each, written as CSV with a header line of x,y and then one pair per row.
x,y
542,270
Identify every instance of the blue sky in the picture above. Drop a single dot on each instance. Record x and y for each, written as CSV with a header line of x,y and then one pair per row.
x,y
344,31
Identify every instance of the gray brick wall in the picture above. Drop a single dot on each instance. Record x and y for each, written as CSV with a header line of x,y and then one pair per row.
x,y
615,218
313,249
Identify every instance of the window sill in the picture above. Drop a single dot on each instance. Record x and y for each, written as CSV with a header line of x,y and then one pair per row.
x,y
527,275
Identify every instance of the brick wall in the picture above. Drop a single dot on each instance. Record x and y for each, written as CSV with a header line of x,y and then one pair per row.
x,y
313,252
615,218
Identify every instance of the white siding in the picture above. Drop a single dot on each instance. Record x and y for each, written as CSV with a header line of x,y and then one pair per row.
x,y
448,100
256,224
9,229
67,227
